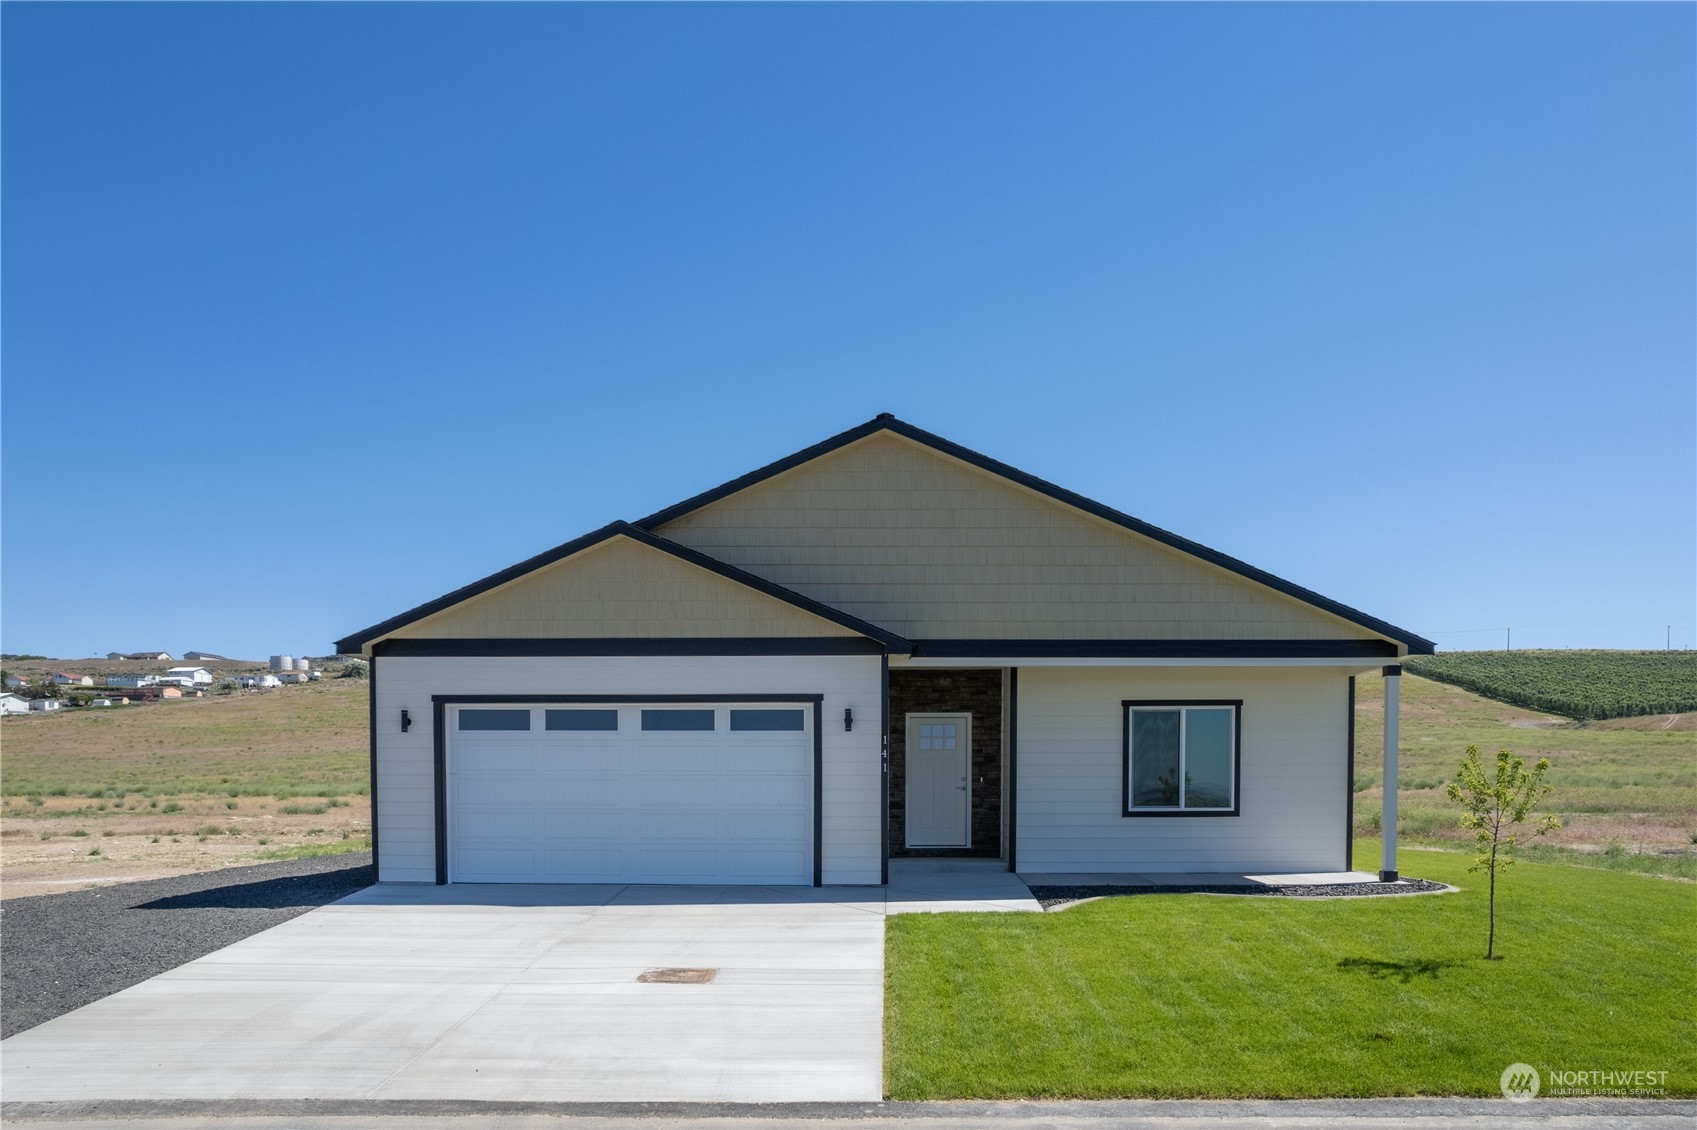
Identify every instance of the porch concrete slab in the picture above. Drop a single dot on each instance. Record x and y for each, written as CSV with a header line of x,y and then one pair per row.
x,y
1194,879
1085,879
518,993
1314,878
933,886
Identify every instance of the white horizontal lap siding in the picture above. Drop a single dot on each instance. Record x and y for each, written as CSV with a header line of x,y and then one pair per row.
x,y
852,810
1293,795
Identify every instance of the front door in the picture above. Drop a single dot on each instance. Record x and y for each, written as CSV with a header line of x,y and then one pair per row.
x,y
939,793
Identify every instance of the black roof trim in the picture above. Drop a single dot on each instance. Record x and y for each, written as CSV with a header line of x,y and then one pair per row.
x,y
357,641
1154,649
692,645
1417,645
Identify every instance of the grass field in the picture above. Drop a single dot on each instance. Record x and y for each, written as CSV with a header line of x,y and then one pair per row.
x,y
191,784
1209,996
1630,782
95,796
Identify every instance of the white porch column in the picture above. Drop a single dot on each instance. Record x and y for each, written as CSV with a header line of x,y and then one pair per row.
x,y
1393,703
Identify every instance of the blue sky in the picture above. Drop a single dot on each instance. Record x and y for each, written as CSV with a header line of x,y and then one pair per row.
x,y
313,312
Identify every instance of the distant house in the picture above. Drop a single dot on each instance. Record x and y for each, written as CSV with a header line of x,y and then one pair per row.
x,y
13,704
13,682
108,701
195,676
260,681
294,677
132,680
71,679
158,691
155,655
46,704
204,657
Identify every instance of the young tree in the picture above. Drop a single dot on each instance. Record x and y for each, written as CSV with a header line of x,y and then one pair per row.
x,y
1493,806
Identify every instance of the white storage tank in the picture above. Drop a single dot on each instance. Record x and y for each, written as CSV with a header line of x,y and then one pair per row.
x,y
282,663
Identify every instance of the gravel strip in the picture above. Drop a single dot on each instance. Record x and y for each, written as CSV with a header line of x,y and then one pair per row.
x,y
60,952
1061,896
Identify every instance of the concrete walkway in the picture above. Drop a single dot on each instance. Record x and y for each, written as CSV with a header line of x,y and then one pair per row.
x,y
919,886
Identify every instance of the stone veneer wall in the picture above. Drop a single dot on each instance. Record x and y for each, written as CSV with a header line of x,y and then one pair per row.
x,y
979,693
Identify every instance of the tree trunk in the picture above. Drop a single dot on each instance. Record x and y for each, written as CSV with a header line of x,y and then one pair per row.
x,y
1491,939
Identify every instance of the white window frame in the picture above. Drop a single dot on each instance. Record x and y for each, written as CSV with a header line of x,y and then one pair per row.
x,y
1183,707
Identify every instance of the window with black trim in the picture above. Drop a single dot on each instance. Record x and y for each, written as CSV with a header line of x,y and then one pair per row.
x,y
1181,758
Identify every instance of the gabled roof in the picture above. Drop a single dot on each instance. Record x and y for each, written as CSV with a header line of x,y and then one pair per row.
x,y
888,423
356,642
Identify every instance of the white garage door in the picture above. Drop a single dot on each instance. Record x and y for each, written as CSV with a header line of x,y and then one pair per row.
x,y
590,793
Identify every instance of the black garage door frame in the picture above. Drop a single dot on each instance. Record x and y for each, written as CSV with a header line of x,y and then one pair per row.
x,y
439,712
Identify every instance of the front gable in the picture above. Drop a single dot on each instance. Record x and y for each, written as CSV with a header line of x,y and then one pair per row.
x,y
620,583
897,532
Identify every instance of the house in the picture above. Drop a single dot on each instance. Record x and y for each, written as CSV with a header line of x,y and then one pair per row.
x,y
46,704
164,656
70,679
13,704
261,681
189,676
294,677
132,680
14,682
204,657
884,645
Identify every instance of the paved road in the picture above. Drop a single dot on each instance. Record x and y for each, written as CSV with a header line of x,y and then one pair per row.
x,y
60,952
1371,1114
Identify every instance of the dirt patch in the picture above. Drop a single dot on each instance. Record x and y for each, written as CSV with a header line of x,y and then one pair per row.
x,y
1645,723
65,844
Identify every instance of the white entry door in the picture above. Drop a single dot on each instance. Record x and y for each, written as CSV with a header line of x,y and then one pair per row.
x,y
939,782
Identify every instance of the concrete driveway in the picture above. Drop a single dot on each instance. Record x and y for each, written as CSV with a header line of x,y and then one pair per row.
x,y
514,993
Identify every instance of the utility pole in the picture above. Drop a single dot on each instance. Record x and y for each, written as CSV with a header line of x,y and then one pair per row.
x,y
1508,639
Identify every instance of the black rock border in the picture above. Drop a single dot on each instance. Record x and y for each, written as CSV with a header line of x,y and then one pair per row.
x,y
1052,897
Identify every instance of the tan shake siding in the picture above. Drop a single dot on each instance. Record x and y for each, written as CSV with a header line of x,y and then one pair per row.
x,y
909,539
852,811
1293,799
620,589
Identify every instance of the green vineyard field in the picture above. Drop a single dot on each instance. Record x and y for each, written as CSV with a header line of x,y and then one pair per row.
x,y
1576,684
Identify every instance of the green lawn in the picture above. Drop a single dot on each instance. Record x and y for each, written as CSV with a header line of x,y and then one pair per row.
x,y
1208,996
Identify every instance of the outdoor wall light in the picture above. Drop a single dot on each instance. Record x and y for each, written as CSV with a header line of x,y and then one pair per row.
x,y
848,718
406,721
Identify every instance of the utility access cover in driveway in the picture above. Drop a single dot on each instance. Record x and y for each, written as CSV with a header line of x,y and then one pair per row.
x,y
499,993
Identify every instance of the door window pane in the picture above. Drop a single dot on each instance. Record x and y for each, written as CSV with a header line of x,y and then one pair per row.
x,y
1208,759
1154,758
